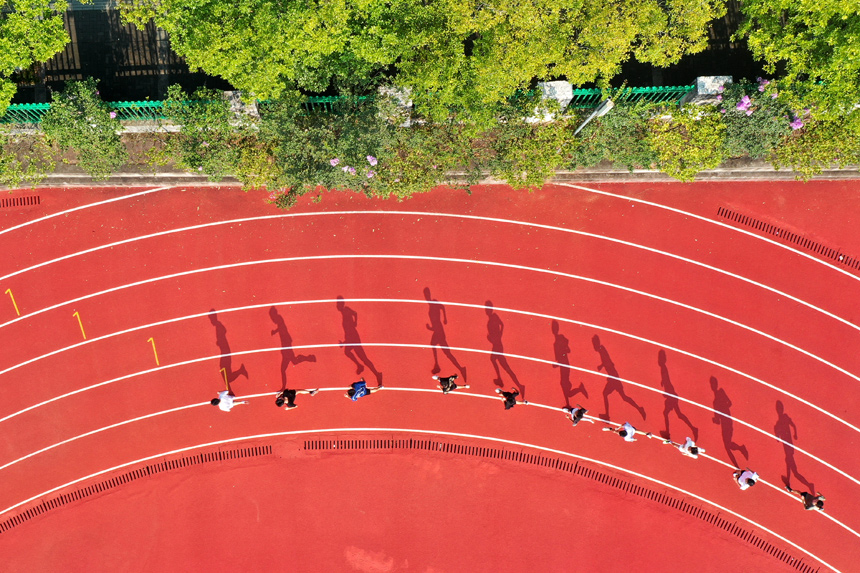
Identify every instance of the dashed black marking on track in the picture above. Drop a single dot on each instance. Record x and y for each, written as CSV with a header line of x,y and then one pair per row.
x,y
127,477
578,468
833,254
28,201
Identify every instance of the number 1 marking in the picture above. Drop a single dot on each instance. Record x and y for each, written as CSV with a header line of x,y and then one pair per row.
x,y
9,292
81,324
152,340
224,372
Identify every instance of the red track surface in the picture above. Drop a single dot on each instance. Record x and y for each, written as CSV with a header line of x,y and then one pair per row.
x,y
769,323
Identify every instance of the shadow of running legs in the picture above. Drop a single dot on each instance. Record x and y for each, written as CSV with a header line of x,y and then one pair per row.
x,y
783,430
352,341
226,361
438,320
561,348
671,403
723,405
288,356
613,382
495,328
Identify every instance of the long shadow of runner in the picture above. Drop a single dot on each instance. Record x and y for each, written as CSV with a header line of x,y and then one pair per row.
x,y
226,362
561,348
783,430
723,405
352,341
439,318
613,382
288,356
495,328
671,403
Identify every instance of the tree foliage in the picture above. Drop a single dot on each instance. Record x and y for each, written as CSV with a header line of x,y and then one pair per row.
x,y
687,140
815,42
822,144
454,54
30,31
79,120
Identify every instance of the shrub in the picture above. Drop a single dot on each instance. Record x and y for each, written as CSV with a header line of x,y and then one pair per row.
x,y
754,125
619,137
821,144
212,139
340,149
79,120
24,160
687,140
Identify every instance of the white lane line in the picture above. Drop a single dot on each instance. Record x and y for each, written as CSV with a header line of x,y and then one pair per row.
x,y
87,206
713,222
442,215
493,397
443,303
445,260
427,347
424,432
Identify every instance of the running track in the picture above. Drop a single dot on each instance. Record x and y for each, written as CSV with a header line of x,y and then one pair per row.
x,y
98,282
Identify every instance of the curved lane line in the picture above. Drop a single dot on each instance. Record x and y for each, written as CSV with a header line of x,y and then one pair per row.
x,y
424,432
427,347
457,304
338,389
712,221
445,215
87,206
446,260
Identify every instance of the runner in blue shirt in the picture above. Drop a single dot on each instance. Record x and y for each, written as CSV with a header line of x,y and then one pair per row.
x,y
359,389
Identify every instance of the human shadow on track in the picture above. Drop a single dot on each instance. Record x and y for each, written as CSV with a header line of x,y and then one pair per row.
x,y
288,356
352,341
438,320
722,404
613,382
561,348
226,362
671,403
495,328
783,430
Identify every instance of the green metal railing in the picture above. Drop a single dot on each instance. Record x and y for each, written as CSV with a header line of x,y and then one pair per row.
x,y
591,97
23,113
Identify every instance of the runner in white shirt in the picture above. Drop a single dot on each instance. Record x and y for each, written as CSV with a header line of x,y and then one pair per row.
x,y
225,401
746,478
688,448
627,431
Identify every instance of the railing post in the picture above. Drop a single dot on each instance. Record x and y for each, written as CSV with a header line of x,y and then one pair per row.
x,y
706,90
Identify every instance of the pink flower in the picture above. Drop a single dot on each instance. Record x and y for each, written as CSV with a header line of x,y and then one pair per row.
x,y
345,168
370,173
113,115
205,144
720,89
372,160
773,95
352,170
719,98
334,162
796,124
722,111
744,104
199,169
749,112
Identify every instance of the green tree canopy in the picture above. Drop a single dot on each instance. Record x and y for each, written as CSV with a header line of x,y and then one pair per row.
x,y
817,42
453,54
30,31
